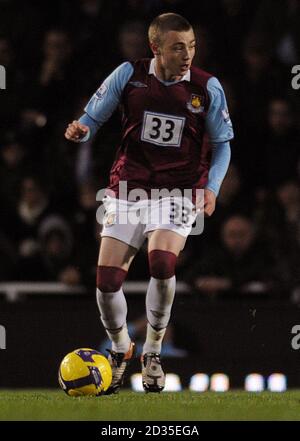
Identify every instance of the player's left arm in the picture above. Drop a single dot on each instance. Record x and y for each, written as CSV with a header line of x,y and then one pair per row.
x,y
219,128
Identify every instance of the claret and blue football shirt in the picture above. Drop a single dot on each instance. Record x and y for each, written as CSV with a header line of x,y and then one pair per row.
x,y
174,134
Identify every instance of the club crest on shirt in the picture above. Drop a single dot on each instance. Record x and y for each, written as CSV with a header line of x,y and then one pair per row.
x,y
195,104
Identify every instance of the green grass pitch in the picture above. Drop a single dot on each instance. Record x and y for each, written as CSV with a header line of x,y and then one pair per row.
x,y
54,405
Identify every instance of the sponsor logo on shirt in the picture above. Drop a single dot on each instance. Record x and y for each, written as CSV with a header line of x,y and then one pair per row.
x,y
101,92
195,104
137,84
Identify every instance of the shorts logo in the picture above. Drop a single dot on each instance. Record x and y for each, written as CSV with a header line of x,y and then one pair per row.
x,y
195,104
110,219
101,92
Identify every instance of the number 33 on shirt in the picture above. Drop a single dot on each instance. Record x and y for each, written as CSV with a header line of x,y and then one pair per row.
x,y
161,129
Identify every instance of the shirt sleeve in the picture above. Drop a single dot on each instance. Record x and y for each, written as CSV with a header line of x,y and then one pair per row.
x,y
106,99
218,122
220,160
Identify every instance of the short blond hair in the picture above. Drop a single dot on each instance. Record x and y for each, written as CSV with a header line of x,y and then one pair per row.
x,y
164,23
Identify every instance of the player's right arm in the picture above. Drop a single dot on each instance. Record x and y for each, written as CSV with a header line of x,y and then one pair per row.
x,y
101,105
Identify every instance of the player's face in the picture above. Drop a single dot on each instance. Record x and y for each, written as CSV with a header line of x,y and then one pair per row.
x,y
176,53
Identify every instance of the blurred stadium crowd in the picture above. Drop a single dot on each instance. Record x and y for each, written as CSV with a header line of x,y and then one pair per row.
x,y
56,54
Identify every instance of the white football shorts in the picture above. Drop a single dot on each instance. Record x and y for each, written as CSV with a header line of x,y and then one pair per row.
x,y
130,222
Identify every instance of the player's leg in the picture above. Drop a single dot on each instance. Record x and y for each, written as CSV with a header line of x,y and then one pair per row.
x,y
163,248
114,261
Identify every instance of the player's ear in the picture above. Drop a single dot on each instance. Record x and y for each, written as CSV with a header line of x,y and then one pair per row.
x,y
155,48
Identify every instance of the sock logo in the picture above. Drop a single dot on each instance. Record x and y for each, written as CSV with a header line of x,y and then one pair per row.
x,y
157,314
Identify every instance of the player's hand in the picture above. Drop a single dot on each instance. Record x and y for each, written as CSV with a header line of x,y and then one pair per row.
x,y
76,131
209,202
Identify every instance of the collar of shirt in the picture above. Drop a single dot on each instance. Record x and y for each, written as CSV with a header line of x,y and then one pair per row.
x,y
186,77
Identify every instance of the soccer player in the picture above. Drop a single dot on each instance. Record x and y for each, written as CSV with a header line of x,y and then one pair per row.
x,y
169,110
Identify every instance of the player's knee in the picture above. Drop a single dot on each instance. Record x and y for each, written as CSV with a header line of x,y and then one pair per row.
x,y
110,278
162,264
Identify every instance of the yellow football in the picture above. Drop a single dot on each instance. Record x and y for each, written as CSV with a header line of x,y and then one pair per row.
x,y
84,372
